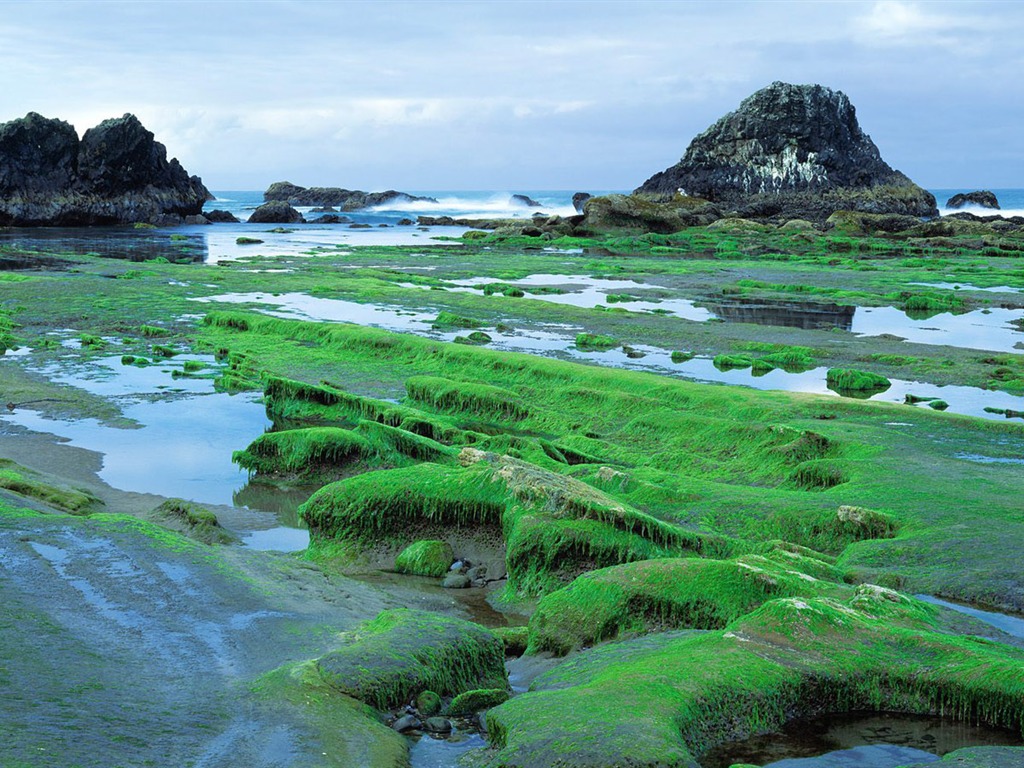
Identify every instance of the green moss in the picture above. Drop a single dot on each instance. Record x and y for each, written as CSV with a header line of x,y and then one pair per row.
x,y
346,732
463,396
471,702
24,482
429,557
428,704
388,660
850,380
198,522
595,341
151,331
682,357
247,241
872,650
731,362
302,452
452,320
514,638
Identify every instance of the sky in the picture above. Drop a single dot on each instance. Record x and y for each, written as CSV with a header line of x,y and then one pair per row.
x,y
595,95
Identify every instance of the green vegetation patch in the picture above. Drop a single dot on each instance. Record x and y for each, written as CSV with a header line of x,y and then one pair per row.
x,y
851,380
654,595
429,557
389,660
27,483
595,341
196,521
471,702
873,650
465,396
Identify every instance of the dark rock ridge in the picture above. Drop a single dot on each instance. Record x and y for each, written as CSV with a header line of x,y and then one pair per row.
x,y
791,151
982,198
345,199
117,173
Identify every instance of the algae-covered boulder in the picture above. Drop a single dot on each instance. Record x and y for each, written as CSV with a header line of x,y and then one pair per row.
x,y
430,557
193,520
687,692
401,653
859,223
638,213
471,702
302,452
653,595
849,380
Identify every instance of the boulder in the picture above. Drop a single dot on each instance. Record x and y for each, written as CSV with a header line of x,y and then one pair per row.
x,y
791,151
221,217
529,202
331,218
275,212
982,198
579,199
116,174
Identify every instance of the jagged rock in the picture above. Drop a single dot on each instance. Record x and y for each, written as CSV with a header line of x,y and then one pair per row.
x,y
579,199
345,199
331,218
275,212
791,151
221,217
982,198
116,174
639,213
529,202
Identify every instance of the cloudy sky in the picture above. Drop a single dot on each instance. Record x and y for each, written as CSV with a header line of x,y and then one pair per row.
x,y
512,95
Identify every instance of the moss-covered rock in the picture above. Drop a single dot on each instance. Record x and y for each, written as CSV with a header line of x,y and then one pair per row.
x,y
851,380
388,660
595,341
31,485
426,558
195,521
471,702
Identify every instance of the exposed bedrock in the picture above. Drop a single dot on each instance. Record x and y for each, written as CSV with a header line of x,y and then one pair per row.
x,y
117,173
793,151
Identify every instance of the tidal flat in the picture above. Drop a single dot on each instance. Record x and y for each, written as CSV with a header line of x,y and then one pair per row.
x,y
684,524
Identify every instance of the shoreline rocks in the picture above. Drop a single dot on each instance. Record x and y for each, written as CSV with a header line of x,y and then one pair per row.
x,y
982,198
117,173
336,197
791,151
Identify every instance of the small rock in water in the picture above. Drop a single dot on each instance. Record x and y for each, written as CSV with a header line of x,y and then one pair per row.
x,y
437,725
406,723
455,581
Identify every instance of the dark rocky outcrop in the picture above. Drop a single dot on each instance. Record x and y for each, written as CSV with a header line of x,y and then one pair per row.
x,y
275,212
331,218
579,199
524,200
117,173
345,199
982,198
221,217
791,151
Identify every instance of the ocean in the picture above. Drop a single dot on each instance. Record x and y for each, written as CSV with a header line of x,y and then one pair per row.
x,y
498,204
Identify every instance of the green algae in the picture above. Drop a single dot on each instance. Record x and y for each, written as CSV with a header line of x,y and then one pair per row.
x,y
850,380
401,653
30,485
471,702
428,557
874,650
595,341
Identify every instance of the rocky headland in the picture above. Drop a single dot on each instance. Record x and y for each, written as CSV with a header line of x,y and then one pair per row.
x,y
791,151
117,173
345,199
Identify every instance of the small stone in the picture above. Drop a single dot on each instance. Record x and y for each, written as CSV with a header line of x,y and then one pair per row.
x,y
428,703
437,725
455,581
407,723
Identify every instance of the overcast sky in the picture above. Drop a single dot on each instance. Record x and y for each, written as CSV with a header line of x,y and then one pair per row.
x,y
512,95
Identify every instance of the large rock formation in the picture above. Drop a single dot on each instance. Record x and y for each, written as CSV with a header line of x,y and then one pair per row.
x,y
346,199
116,174
791,151
982,198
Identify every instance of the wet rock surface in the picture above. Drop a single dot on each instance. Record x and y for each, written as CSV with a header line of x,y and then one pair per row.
x,y
791,151
275,212
983,198
116,174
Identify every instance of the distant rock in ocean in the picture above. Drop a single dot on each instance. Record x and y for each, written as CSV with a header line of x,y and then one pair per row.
x,y
524,200
117,173
791,151
275,212
579,199
982,198
345,199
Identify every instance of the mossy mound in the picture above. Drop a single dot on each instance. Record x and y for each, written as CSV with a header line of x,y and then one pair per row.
x,y
595,341
654,595
401,653
429,557
854,381
471,702
193,520
26,483
978,757
686,692
451,320
301,451
467,397
554,527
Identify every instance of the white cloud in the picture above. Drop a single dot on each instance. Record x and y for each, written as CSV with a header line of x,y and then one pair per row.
x,y
893,22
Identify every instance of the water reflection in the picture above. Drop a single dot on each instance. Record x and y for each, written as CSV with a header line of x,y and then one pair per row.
x,y
857,740
788,314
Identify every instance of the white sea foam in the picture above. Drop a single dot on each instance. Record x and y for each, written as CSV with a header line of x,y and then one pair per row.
x,y
498,205
977,210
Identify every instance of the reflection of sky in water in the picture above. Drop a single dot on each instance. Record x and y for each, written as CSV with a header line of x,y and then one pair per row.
x,y
1011,625
871,756
980,329
183,448
558,341
969,287
440,753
